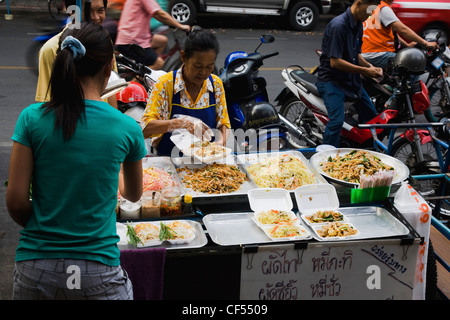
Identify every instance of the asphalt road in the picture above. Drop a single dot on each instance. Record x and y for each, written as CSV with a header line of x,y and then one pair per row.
x,y
17,86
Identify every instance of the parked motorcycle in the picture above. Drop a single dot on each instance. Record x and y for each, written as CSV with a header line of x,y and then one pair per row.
x,y
302,105
250,113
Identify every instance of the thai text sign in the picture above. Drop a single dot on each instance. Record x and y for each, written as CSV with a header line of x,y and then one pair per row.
x,y
377,269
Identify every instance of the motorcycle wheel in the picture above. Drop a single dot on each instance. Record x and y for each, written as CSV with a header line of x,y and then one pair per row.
x,y
405,151
298,113
439,105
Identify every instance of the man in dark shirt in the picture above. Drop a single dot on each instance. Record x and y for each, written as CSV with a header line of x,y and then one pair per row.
x,y
341,66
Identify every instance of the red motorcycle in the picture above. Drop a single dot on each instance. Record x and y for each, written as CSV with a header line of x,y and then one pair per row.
x,y
303,106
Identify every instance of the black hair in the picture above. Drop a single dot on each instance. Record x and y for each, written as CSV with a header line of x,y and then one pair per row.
x,y
67,97
200,40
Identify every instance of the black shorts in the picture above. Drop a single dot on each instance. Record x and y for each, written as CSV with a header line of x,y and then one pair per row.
x,y
148,58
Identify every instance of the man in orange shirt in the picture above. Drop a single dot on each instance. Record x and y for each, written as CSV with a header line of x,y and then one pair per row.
x,y
378,38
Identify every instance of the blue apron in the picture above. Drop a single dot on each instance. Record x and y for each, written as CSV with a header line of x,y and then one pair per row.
x,y
207,115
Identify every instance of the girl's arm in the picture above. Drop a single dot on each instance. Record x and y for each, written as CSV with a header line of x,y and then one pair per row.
x,y
18,191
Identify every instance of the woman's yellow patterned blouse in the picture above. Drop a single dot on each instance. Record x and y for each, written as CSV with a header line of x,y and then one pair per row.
x,y
160,101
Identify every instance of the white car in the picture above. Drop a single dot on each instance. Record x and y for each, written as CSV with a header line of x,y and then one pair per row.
x,y
303,15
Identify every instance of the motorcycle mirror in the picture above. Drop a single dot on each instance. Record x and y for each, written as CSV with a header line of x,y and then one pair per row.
x,y
267,38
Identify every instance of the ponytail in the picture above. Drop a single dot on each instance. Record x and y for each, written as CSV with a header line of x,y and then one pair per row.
x,y
83,53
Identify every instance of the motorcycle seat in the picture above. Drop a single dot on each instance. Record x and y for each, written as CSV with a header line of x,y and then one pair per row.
x,y
306,79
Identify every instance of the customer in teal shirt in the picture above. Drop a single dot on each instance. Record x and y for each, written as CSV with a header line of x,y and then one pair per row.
x,y
72,149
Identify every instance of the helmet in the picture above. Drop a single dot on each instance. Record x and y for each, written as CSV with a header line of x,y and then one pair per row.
x,y
134,92
262,114
411,59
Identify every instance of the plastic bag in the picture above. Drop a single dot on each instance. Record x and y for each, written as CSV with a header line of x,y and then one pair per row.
x,y
194,125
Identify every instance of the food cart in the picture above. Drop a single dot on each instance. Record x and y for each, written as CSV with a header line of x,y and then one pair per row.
x,y
233,256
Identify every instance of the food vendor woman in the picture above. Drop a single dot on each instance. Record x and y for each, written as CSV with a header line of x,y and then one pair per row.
x,y
190,91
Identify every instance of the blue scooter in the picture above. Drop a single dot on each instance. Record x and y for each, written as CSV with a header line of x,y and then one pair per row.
x,y
256,124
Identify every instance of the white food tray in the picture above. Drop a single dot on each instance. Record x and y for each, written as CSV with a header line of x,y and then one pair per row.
x,y
228,229
246,160
371,222
304,233
181,162
197,240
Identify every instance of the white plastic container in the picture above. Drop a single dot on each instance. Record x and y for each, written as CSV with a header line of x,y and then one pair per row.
x,y
129,210
269,199
319,197
331,238
303,233
184,140
275,199
122,232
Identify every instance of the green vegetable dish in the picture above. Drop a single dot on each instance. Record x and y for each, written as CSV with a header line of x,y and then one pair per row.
x,y
351,166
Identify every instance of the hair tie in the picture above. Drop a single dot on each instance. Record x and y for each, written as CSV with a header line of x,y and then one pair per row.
x,y
75,45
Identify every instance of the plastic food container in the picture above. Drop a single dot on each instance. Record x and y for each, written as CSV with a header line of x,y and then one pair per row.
x,y
287,232
190,146
189,233
262,200
309,218
150,204
281,216
129,210
330,238
170,201
314,198
150,242
267,199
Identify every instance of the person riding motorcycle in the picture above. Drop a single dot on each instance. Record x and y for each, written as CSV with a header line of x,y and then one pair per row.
x,y
379,39
341,67
134,28
115,7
